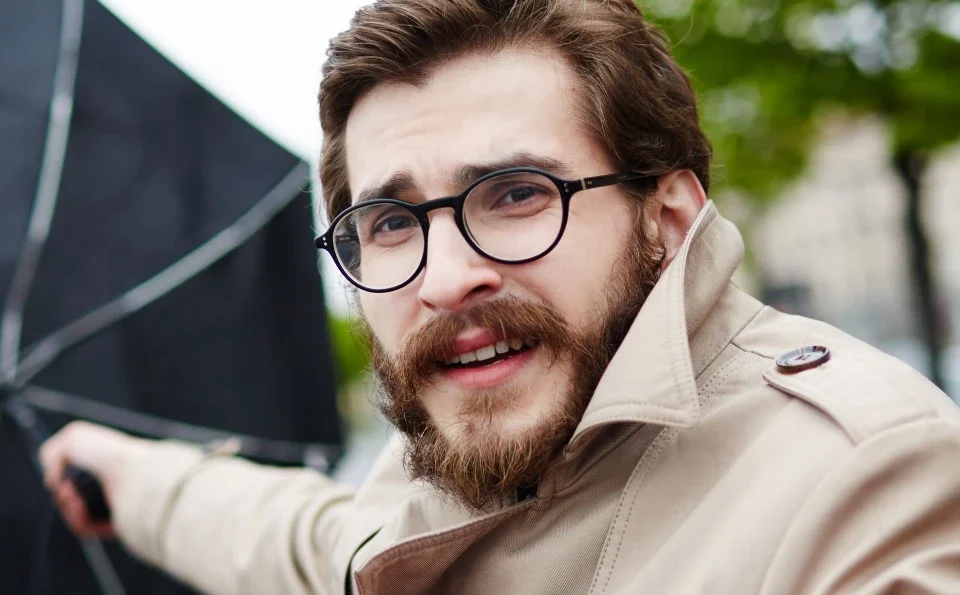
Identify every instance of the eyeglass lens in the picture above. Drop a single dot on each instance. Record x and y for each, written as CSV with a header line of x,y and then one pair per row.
x,y
511,217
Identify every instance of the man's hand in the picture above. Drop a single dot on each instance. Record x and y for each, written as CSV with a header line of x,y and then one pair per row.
x,y
99,450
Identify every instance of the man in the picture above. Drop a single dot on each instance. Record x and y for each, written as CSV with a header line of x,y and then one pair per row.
x,y
586,402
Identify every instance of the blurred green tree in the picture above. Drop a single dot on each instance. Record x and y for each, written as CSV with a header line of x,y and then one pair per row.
x,y
766,69
349,352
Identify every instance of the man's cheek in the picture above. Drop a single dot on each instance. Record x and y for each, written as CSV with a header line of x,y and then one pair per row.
x,y
391,329
383,333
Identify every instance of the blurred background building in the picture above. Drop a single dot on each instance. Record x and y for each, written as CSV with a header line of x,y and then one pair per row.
x,y
834,245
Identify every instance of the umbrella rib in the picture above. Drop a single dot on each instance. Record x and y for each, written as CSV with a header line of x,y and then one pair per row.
x,y
44,352
48,186
318,455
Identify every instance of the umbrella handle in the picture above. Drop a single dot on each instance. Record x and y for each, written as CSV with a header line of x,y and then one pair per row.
x,y
91,491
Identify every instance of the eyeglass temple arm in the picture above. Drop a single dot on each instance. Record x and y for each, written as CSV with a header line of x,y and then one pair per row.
x,y
610,179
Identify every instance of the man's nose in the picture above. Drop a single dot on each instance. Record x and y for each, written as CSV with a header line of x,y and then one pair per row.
x,y
456,276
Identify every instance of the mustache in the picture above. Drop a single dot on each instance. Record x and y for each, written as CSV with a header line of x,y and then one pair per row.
x,y
508,317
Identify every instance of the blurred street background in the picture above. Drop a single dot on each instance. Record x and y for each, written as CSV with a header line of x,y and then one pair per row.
x,y
836,127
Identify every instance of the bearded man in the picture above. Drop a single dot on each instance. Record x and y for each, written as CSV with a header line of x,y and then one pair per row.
x,y
586,402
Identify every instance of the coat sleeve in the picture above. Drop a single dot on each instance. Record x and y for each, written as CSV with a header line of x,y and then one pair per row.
x,y
886,520
226,526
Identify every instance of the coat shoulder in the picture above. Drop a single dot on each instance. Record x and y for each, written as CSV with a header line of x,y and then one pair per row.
x,y
862,389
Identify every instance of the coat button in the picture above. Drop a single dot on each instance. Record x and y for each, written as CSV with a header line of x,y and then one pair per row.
x,y
799,360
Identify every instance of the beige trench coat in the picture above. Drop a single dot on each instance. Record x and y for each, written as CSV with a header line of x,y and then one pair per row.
x,y
697,468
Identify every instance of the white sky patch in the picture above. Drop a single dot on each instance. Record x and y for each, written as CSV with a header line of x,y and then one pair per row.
x,y
262,59
951,20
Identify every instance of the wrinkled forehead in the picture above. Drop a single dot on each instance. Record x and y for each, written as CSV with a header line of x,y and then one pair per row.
x,y
472,110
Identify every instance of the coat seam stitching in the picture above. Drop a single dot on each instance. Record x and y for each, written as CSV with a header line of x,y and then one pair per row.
x,y
712,386
682,380
736,333
409,549
654,456
639,473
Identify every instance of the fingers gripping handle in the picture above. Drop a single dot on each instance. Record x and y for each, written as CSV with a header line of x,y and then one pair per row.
x,y
87,485
91,491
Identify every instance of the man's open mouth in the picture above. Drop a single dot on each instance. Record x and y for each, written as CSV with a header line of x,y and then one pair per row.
x,y
490,354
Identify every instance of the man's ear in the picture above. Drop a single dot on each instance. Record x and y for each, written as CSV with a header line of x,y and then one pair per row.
x,y
674,208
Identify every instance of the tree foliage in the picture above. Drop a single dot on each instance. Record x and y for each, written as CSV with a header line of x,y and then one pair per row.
x,y
349,353
766,69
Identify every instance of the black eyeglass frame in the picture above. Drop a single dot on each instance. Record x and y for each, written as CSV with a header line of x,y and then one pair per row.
x,y
566,188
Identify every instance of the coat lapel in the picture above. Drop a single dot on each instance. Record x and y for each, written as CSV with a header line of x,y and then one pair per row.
x,y
652,378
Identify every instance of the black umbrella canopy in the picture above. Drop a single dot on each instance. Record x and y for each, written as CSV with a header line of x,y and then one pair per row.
x,y
155,167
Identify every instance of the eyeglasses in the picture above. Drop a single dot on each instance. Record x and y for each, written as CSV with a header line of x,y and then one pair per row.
x,y
510,216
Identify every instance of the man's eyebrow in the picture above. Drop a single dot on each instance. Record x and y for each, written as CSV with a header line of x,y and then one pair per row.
x,y
402,181
466,174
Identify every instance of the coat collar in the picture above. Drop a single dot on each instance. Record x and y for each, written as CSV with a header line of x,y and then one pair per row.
x,y
690,316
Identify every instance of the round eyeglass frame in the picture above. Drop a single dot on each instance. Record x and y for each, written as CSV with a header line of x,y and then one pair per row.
x,y
566,188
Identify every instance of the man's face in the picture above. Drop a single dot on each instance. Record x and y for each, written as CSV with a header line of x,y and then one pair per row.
x,y
546,320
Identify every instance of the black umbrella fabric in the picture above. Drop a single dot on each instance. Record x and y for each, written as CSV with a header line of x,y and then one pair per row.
x,y
142,310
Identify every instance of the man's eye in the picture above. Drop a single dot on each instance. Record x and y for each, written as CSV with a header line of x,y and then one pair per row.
x,y
519,194
394,223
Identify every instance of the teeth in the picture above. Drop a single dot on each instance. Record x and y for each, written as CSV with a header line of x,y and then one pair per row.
x,y
485,353
491,351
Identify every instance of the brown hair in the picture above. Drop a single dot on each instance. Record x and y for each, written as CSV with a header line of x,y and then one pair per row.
x,y
636,100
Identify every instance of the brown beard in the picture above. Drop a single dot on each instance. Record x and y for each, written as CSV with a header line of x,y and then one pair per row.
x,y
477,465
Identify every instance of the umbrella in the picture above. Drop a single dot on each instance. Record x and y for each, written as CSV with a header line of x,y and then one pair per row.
x,y
156,261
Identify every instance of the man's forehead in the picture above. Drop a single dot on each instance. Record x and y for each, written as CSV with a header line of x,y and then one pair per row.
x,y
471,112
